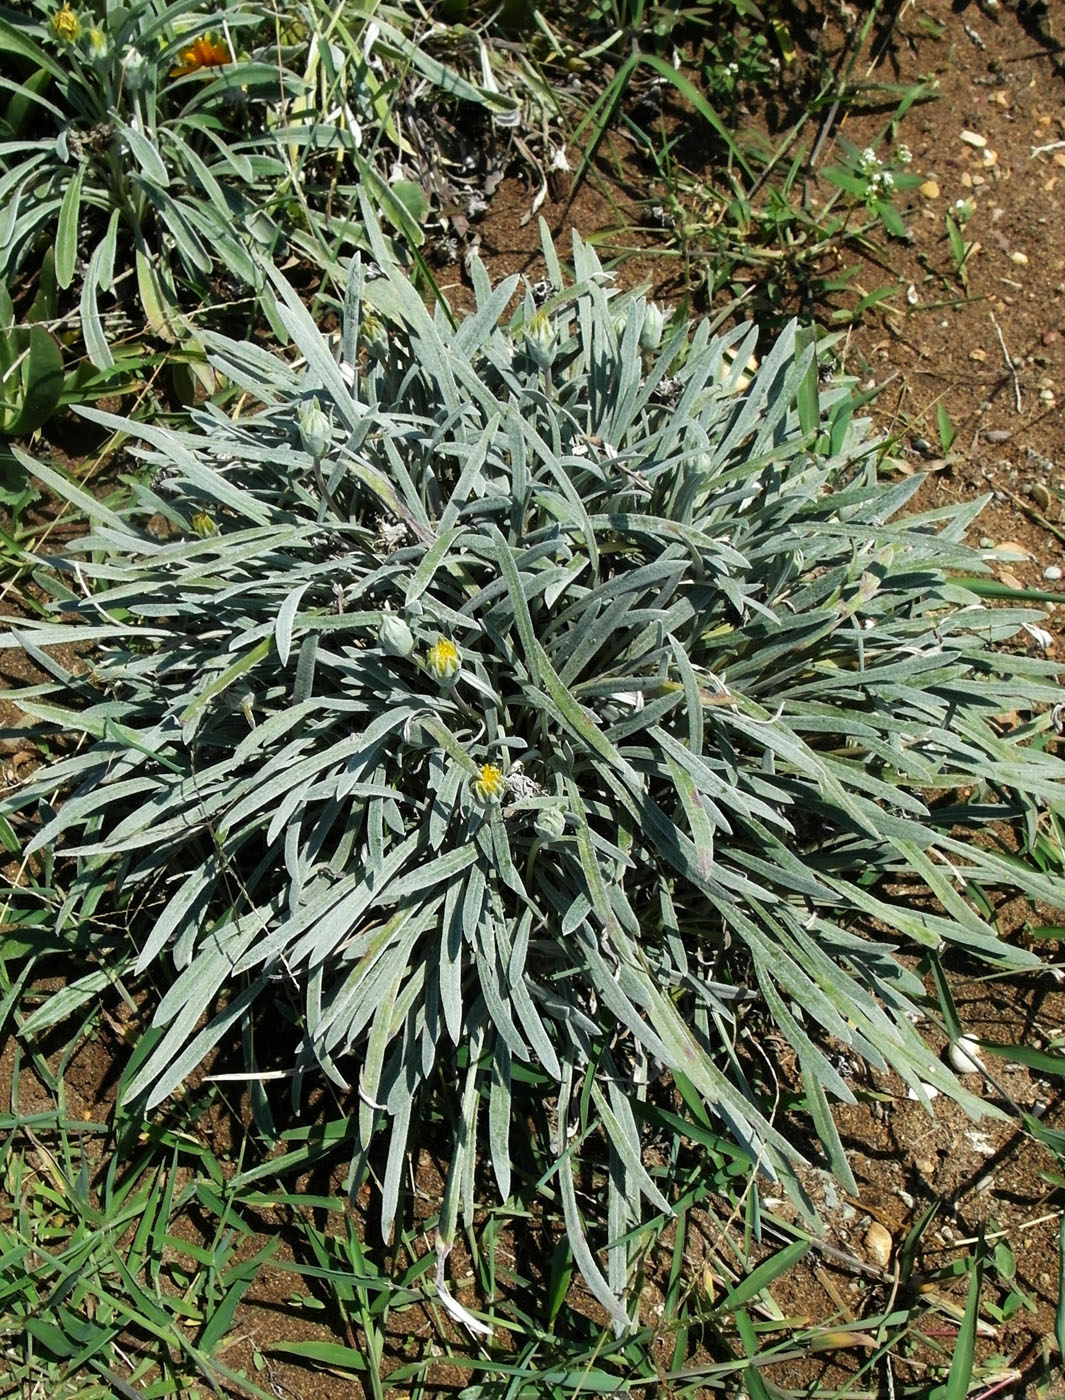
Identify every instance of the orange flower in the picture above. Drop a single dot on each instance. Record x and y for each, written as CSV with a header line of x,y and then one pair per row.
x,y
204,52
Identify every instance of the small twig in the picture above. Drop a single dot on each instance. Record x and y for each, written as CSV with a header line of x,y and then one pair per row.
x,y
1042,150
1009,365
822,135
1036,516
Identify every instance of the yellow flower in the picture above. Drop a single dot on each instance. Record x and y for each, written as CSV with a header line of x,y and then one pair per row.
x,y
443,659
202,524
204,52
490,786
65,25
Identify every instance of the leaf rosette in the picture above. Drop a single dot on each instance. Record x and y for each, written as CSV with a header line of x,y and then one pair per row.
x,y
581,717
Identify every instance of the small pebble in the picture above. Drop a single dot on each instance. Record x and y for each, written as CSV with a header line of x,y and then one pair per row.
x,y
878,1244
974,139
930,189
964,1055
930,1092
1049,337
1052,572
1021,259
978,355
1040,495
998,435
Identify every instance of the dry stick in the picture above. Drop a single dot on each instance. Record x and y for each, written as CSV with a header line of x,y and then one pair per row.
x,y
1036,516
1009,364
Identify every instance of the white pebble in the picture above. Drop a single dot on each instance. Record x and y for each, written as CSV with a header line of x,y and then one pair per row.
x,y
930,1092
974,139
1052,572
964,1055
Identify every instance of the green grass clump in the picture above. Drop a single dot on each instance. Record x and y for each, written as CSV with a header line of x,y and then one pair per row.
x,y
539,691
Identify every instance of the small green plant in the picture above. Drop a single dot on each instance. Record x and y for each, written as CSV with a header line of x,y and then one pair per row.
x,y
31,373
31,384
961,249
736,60
544,692
874,182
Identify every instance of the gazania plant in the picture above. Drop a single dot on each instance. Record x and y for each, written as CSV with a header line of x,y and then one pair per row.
x,y
151,157
546,694
133,157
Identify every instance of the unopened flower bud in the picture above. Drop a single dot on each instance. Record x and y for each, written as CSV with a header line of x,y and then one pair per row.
x,y
395,636
99,45
550,823
540,340
373,335
316,431
65,25
654,322
136,69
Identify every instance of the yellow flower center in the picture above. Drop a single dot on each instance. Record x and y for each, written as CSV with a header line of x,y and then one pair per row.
x,y
490,785
443,659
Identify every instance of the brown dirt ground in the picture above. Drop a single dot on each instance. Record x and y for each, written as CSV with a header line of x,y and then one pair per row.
x,y
994,355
